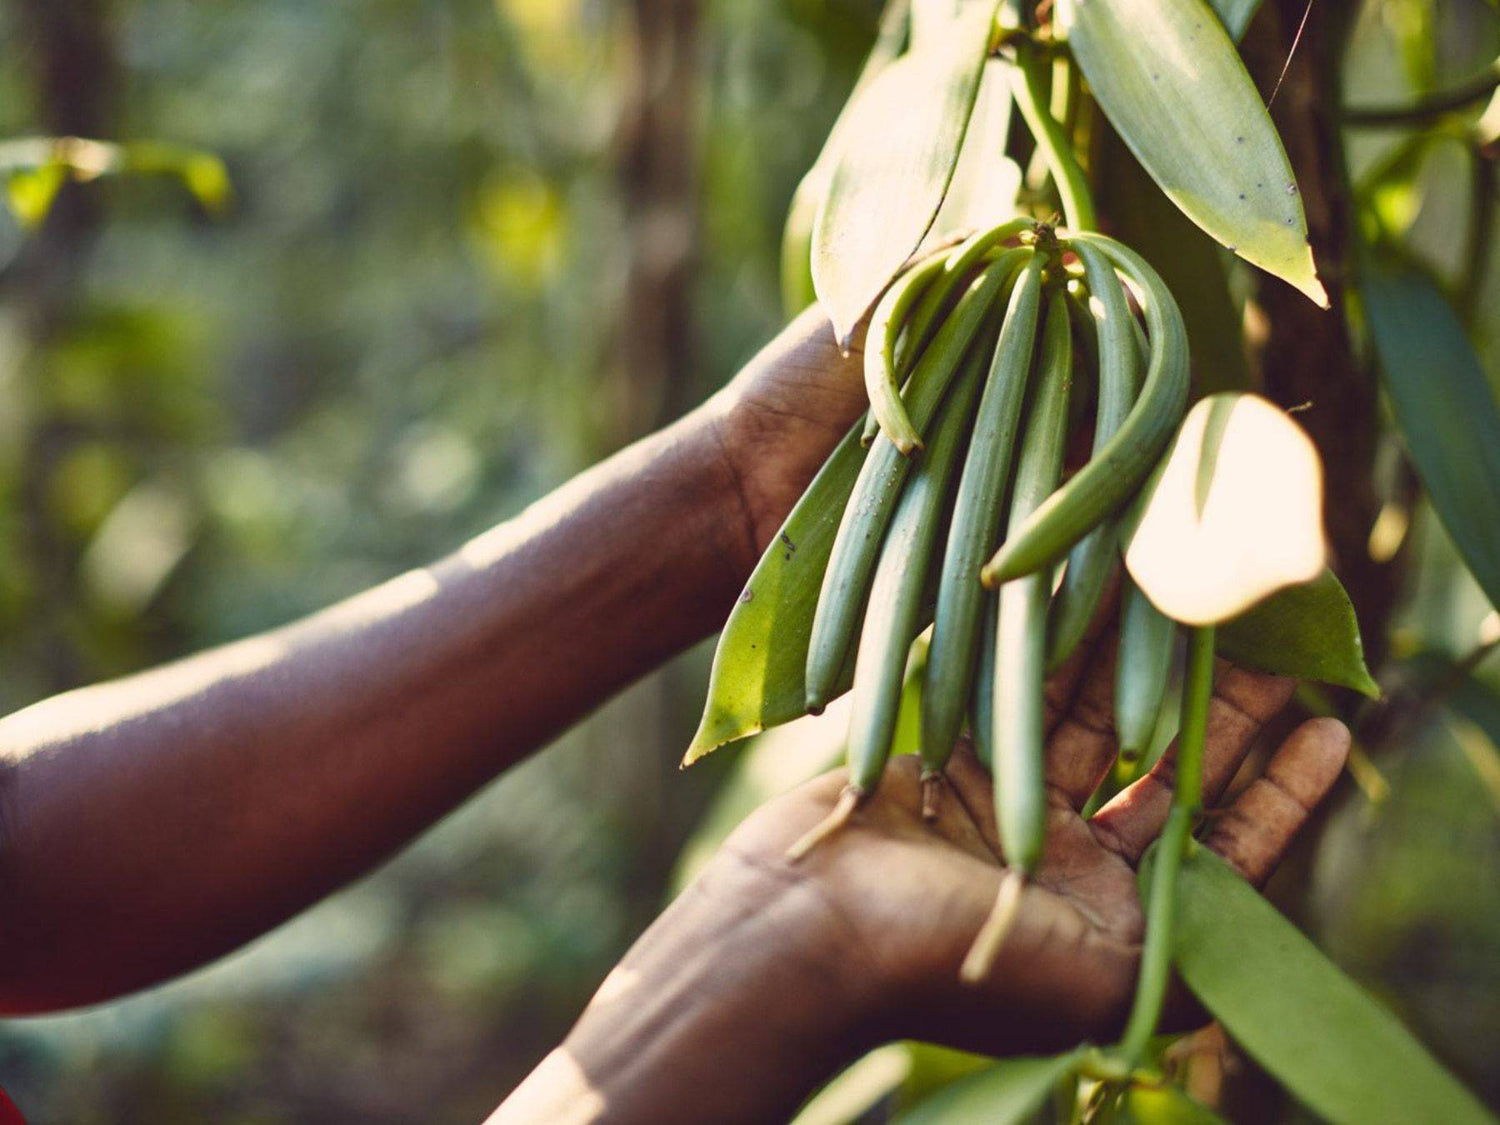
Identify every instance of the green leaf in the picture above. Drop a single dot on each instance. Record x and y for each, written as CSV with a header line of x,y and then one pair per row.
x,y
934,1067
1189,111
1236,15
1009,1092
758,674
797,291
1444,408
896,1074
796,239
1478,702
1307,631
1164,1105
1334,1048
982,193
896,157
859,1088
1189,262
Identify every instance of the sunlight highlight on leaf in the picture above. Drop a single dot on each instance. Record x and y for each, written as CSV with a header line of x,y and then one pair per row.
x,y
1235,514
896,157
1191,114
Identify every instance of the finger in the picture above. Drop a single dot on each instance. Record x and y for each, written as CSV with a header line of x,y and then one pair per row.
x,y
1254,833
1243,702
1063,684
1082,746
971,786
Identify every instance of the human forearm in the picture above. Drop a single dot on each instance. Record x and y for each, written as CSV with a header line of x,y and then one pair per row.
x,y
728,1009
155,822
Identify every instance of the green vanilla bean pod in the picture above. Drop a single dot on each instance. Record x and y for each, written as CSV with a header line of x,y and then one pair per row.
x,y
982,714
1020,644
1094,556
882,377
1116,472
857,543
976,522
911,332
1018,723
1147,638
961,261
900,350
900,579
903,330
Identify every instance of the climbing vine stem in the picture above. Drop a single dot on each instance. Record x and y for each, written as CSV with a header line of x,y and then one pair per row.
x,y
1067,173
1176,838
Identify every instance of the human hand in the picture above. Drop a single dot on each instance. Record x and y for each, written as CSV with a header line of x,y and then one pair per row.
x,y
766,976
781,416
897,902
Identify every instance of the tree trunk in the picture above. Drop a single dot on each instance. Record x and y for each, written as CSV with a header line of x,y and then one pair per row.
x,y
1306,353
654,383
658,181
69,49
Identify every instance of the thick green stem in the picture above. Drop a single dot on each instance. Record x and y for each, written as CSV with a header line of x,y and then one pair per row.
x,y
1067,173
1156,957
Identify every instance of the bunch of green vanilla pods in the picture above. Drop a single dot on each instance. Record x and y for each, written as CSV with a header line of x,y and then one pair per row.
x,y
957,518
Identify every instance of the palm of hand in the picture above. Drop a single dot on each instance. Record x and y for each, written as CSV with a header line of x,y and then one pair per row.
x,y
902,899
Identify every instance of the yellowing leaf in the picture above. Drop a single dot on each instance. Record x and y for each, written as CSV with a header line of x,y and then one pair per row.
x,y
1235,513
1170,81
897,151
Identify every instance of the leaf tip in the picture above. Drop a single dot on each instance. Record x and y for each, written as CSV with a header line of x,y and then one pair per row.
x,y
1313,289
1307,282
704,743
714,732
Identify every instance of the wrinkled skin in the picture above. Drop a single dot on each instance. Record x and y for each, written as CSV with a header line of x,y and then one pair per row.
x,y
766,975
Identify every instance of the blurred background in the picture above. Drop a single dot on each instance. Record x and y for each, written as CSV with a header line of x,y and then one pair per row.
x,y
463,249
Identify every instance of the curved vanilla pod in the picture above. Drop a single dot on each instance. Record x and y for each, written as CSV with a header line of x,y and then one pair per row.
x,y
958,263
891,621
1094,556
856,546
882,377
1102,486
1019,726
1148,638
977,513
912,338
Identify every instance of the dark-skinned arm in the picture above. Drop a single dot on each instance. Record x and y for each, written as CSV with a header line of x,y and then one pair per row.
x,y
153,823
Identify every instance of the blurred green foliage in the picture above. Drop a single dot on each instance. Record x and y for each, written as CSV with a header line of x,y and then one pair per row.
x,y
402,327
